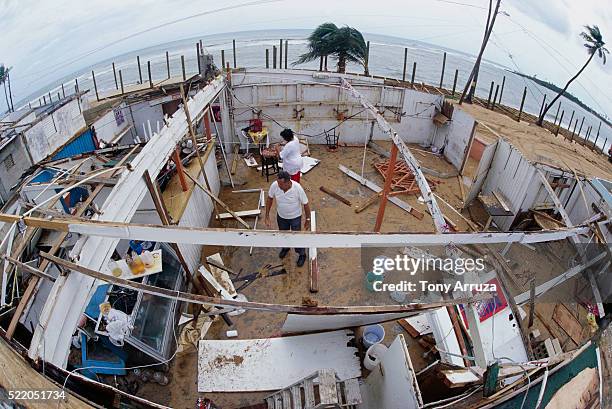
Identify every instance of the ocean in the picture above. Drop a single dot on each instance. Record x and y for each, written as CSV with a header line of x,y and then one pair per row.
x,y
386,59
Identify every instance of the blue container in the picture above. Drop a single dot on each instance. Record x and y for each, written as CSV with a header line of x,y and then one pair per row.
x,y
371,278
372,334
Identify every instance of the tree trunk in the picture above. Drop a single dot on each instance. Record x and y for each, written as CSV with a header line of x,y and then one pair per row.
x,y
543,114
470,81
8,107
8,77
341,64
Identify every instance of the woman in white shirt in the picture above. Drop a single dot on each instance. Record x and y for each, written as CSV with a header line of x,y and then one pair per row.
x,y
291,155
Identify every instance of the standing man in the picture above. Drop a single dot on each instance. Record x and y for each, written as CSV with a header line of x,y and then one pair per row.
x,y
291,155
290,197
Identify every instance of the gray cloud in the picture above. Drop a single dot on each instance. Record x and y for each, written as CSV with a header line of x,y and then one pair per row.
x,y
552,13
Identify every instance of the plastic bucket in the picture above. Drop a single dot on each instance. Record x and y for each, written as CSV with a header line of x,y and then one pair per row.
x,y
371,278
372,335
373,356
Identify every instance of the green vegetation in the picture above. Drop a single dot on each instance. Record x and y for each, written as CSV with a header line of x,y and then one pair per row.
x,y
344,44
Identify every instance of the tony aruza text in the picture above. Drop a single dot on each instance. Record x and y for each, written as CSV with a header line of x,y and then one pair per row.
x,y
408,286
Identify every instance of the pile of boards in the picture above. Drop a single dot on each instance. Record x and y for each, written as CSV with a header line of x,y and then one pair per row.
x,y
403,180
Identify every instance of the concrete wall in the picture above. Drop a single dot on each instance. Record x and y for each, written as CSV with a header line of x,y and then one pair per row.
x,y
312,102
54,130
14,152
113,123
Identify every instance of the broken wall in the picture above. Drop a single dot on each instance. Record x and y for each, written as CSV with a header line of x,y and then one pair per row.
x,y
456,137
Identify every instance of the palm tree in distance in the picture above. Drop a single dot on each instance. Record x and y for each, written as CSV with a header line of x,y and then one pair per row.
x,y
594,44
344,43
4,79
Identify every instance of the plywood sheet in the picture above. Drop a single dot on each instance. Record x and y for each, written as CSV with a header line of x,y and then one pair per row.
x,y
273,363
568,323
307,323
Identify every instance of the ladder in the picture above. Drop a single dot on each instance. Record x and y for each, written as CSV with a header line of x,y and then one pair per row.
x,y
322,389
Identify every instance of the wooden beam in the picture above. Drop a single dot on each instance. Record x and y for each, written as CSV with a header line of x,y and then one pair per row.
x,y
275,238
176,158
219,302
386,188
335,195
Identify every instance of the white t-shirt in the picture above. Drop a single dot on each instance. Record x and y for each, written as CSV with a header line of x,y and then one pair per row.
x,y
291,156
288,204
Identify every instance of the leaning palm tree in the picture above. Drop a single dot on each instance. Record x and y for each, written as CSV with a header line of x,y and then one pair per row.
x,y
346,44
594,44
4,78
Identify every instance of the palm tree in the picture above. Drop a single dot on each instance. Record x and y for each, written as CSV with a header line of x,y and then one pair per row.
x,y
594,44
4,78
344,43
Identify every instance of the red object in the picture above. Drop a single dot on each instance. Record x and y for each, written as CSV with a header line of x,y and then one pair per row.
x,y
488,308
255,125
296,177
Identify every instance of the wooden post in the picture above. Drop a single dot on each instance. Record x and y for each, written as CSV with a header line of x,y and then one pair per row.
x,y
115,75
273,57
280,55
93,76
405,62
522,104
501,92
183,67
321,64
570,121
286,52
366,69
557,114
603,148
139,68
325,63
50,99
443,67
495,96
386,188
58,96
542,106
168,64
176,158
234,48
149,72
413,74
580,129
76,85
198,58
63,91
597,137
222,60
207,127
455,82
267,58
490,93
560,120
121,82
45,100
574,131
532,291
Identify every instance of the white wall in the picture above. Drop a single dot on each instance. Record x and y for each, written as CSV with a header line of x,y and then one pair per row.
x,y
107,126
455,136
145,111
54,130
310,103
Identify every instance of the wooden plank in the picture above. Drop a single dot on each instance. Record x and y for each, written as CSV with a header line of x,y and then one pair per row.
x,y
335,195
327,387
367,203
232,366
313,264
268,238
568,323
372,186
241,213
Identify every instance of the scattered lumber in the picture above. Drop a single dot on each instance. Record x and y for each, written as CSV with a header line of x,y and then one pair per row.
x,y
403,180
335,195
368,203
242,213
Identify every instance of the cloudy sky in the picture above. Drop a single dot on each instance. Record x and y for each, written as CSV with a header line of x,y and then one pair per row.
x,y
537,36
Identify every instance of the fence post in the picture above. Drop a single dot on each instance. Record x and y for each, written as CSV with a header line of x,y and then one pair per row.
x,y
121,82
574,131
76,86
63,91
222,59
522,104
149,72
168,63
558,108
366,69
597,137
559,125
443,67
234,48
580,129
115,75
490,93
542,106
280,55
413,74
93,76
274,57
286,52
405,62
321,64
139,69
501,92
495,96
198,57
267,58
455,81
183,67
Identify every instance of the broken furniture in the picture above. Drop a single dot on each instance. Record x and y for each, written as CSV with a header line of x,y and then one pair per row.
x,y
496,205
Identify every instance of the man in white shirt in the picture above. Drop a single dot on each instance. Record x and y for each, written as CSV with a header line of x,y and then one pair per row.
x,y
291,155
290,197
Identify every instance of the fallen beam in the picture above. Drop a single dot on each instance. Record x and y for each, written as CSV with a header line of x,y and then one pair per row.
x,y
377,189
280,239
335,195
249,305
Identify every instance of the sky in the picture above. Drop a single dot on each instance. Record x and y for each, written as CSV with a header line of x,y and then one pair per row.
x,y
534,36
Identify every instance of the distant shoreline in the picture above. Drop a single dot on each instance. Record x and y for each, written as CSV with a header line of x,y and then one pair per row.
x,y
567,95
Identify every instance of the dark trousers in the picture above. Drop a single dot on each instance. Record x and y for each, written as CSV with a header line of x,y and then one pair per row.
x,y
293,225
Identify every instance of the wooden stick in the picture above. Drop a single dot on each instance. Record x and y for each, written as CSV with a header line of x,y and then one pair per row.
x,y
335,195
367,203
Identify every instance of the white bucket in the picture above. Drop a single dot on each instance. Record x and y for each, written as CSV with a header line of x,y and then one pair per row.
x,y
373,356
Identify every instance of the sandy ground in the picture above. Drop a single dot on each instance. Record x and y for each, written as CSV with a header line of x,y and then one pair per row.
x,y
341,273
538,144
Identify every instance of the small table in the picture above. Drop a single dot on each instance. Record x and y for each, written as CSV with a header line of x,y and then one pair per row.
x,y
495,205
